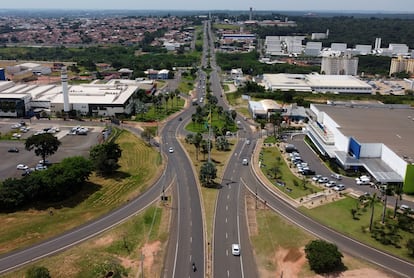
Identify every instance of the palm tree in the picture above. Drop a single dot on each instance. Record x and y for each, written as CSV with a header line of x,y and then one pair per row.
x,y
397,190
372,200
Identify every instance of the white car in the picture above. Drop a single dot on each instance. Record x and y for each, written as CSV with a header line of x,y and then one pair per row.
x,y
170,149
316,177
323,180
22,167
339,187
235,249
330,184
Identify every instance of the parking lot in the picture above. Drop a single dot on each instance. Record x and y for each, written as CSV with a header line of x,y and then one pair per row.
x,y
72,145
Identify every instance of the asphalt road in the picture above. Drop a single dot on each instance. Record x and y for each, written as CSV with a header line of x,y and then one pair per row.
x,y
230,221
187,243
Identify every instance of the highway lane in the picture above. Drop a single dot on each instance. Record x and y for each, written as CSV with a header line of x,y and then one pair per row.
x,y
230,222
346,244
187,242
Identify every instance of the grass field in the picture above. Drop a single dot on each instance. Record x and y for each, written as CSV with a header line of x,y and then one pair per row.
x,y
294,187
152,115
330,213
118,250
139,167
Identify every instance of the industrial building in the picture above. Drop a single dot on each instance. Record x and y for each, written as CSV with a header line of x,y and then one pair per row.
x,y
370,136
342,65
110,99
401,64
316,83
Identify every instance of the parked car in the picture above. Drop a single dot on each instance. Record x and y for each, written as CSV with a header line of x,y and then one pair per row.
x,y
330,184
308,172
22,167
316,177
336,176
323,180
13,150
339,187
40,167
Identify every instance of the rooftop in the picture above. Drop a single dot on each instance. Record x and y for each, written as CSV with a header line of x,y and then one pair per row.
x,y
391,125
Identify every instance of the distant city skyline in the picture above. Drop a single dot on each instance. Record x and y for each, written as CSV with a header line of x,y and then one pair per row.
x,y
404,6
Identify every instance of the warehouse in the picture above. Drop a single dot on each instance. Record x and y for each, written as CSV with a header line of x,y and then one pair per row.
x,y
110,99
373,136
317,83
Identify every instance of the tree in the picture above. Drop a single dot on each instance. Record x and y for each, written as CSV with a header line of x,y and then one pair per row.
x,y
276,120
105,157
323,256
44,144
38,272
372,200
208,173
147,134
410,246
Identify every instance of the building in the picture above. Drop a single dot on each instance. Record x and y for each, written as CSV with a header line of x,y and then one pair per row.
x,y
342,65
372,137
401,64
316,83
398,48
313,48
263,108
113,98
362,49
335,46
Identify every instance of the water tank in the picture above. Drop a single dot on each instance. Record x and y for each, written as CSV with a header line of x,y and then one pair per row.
x,y
2,75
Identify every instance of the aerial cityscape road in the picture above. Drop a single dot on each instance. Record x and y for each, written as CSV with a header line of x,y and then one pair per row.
x,y
188,243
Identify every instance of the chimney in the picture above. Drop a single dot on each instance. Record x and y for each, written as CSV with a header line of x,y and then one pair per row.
x,y
65,92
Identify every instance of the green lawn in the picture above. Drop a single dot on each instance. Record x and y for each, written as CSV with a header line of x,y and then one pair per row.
x,y
337,215
216,120
153,114
294,187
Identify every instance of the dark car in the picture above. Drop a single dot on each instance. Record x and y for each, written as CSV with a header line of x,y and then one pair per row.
x,y
308,172
13,150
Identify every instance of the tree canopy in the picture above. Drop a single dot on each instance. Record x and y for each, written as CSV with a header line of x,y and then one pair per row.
x,y
323,256
44,144
105,157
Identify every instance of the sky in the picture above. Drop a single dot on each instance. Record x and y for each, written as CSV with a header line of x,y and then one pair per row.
x,y
406,6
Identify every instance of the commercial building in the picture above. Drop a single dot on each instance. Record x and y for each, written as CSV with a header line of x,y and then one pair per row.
x,y
370,136
110,99
316,83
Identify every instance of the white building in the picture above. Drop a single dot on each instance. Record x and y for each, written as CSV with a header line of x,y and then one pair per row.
x,y
342,65
398,48
110,99
313,48
316,83
368,136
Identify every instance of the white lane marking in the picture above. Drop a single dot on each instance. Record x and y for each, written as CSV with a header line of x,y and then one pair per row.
x,y
228,196
191,239
228,273
227,235
226,219
227,207
229,186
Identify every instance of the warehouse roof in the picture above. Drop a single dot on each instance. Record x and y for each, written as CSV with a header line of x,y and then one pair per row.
x,y
392,125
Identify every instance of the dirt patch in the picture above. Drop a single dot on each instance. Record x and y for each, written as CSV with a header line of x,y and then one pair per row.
x,y
251,216
104,241
289,262
150,251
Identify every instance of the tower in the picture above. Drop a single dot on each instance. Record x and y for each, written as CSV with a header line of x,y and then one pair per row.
x,y
251,14
65,92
